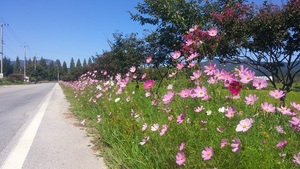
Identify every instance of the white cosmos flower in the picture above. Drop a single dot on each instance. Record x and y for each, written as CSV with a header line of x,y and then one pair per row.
x,y
117,99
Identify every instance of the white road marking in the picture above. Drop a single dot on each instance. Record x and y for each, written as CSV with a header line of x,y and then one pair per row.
x,y
17,157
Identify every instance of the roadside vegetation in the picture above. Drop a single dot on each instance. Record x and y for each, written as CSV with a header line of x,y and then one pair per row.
x,y
188,121
188,95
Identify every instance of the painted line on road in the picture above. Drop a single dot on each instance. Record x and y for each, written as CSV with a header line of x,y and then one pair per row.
x,y
17,157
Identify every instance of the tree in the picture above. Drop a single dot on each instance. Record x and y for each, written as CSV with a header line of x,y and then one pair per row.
x,y
7,67
266,39
172,18
17,67
126,51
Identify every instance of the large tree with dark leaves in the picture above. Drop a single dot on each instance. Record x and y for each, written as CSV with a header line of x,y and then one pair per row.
x,y
266,38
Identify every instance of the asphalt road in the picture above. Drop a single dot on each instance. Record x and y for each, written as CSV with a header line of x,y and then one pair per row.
x,y
36,131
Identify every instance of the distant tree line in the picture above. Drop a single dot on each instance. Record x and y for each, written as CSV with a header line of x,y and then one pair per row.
x,y
43,69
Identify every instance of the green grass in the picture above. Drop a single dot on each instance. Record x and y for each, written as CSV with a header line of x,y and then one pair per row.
x,y
119,132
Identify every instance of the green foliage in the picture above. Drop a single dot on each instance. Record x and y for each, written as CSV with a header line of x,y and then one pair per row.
x,y
118,119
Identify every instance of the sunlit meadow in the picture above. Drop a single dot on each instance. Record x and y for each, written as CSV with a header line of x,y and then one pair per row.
x,y
196,117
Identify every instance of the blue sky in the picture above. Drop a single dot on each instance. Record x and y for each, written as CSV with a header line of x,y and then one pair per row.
x,y
62,29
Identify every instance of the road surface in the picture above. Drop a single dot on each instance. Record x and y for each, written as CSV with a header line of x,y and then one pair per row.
x,y
36,131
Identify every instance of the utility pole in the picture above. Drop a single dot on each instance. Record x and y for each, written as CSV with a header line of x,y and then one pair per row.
x,y
25,62
1,52
1,73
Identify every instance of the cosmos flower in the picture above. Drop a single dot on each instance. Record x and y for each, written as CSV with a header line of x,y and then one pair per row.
x,y
212,32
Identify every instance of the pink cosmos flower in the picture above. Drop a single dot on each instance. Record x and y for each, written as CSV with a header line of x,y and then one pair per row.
x,y
167,98
144,76
181,147
196,75
180,65
230,112
236,145
210,68
296,159
235,88
180,158
207,153
163,130
295,123
145,125
172,74
279,129
192,29
247,76
259,83
223,142
244,125
212,32
284,110
251,99
277,94
281,144
295,105
198,109
176,55
268,107
144,140
149,84
192,56
148,59
199,92
181,118
99,118
212,80
185,93
155,127
132,69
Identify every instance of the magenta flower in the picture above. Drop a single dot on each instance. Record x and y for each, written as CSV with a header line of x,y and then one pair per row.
x,y
251,99
180,158
181,118
207,153
149,84
281,144
277,94
176,55
212,32
235,88
259,83
244,125
296,159
167,98
223,142
236,145
267,107
185,93
164,129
